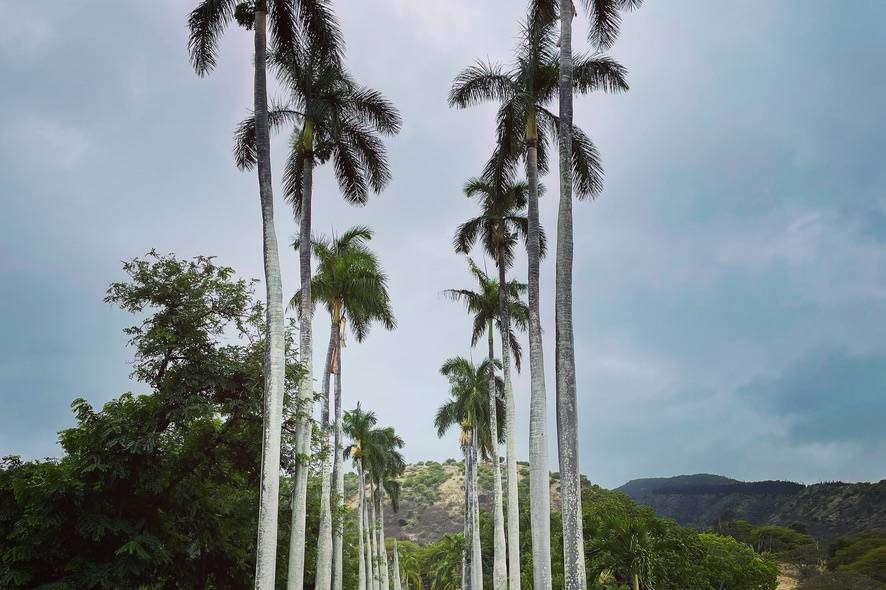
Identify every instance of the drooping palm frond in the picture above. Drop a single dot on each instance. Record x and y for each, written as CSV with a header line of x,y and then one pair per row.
x,y
478,83
245,151
598,72
205,25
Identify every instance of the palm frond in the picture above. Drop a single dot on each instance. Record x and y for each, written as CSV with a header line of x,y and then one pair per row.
x,y
205,25
478,83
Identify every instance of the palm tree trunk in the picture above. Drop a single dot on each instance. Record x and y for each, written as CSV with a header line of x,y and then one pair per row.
x,y
539,476
274,363
510,433
467,571
382,550
567,412
477,560
636,582
323,570
361,495
499,565
373,539
295,581
338,477
367,531
396,567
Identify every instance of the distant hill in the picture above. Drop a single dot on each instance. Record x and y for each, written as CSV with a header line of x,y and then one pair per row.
x,y
825,510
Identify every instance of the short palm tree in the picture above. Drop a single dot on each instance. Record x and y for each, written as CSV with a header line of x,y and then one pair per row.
x,y
384,463
287,20
626,547
498,228
357,424
468,408
483,305
525,129
353,288
444,561
334,119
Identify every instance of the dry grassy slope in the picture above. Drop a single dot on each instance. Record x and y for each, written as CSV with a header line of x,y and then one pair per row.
x,y
432,499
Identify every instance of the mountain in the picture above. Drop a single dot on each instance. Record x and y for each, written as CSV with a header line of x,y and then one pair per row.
x,y
824,510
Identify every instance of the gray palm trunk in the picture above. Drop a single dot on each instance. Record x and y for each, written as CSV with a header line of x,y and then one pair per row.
x,y
382,550
274,362
567,415
361,499
338,477
323,576
295,580
499,564
373,539
367,531
539,476
467,570
477,557
510,434
396,568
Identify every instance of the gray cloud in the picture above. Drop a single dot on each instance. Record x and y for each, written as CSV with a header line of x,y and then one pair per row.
x,y
741,232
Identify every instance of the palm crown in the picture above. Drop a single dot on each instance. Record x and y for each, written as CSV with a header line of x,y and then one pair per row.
x,y
523,93
501,221
468,406
483,305
349,281
290,22
604,17
334,119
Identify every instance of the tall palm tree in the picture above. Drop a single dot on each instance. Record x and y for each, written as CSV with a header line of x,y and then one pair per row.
x,y
498,227
483,304
335,119
350,283
357,425
605,21
525,129
287,20
468,408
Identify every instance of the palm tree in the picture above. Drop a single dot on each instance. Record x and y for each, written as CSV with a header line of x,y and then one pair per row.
x,y
498,228
443,562
335,119
483,305
350,283
395,567
525,129
626,547
287,20
605,21
357,425
468,407
386,463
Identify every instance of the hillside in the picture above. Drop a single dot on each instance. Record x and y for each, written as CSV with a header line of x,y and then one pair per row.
x,y
432,499
825,509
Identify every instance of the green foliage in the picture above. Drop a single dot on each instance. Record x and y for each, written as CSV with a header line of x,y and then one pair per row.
x,y
728,563
159,489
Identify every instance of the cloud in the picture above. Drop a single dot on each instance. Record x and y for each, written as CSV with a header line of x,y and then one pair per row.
x,y
47,144
828,396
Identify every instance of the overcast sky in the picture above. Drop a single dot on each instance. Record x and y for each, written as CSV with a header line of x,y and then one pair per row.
x,y
730,283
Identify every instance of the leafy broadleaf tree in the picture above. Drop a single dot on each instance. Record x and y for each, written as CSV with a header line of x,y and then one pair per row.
x,y
289,21
483,305
350,283
335,120
525,130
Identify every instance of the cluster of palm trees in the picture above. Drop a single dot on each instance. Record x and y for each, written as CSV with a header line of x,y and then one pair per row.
x,y
331,118
378,462
544,70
